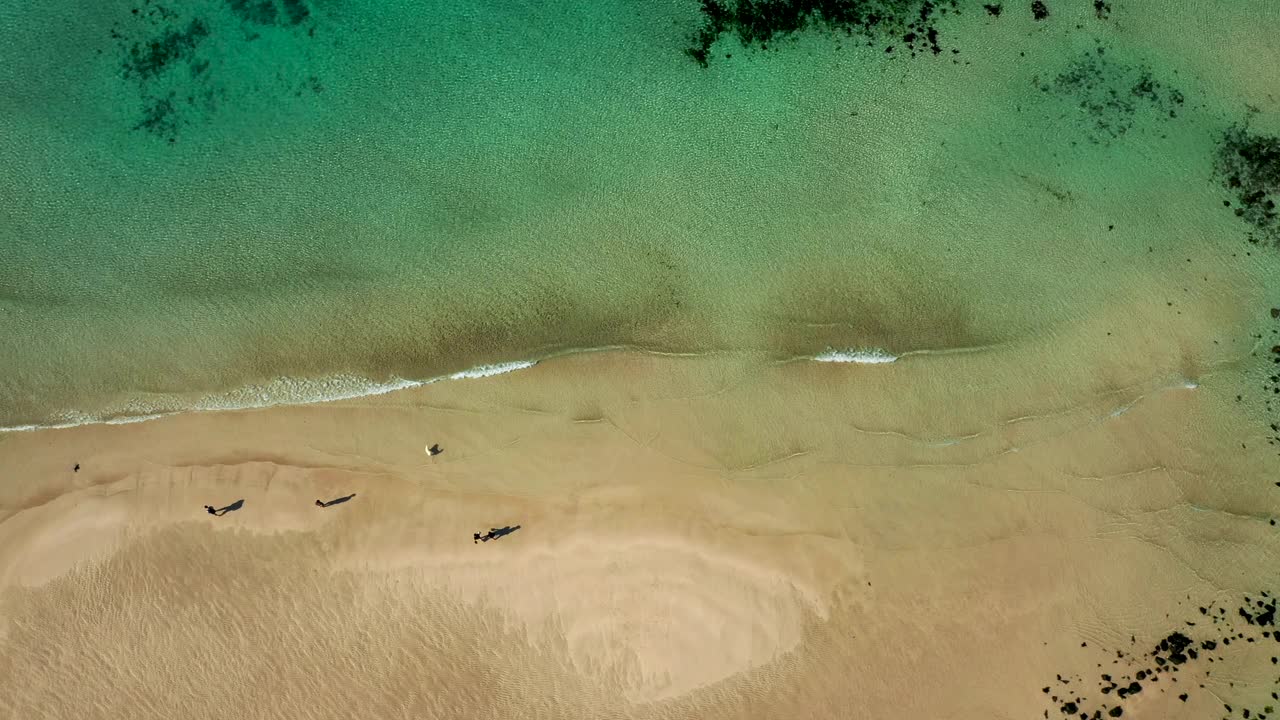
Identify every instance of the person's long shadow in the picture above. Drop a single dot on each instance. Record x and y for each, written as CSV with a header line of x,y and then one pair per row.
x,y
494,533
335,501
224,510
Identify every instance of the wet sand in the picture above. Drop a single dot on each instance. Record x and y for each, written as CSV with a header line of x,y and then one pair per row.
x,y
715,536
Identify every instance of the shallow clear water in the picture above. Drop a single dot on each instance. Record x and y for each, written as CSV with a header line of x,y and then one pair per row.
x,y
326,188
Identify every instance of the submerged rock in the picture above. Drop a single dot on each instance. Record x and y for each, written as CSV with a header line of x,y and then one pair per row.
x,y
1111,97
1248,166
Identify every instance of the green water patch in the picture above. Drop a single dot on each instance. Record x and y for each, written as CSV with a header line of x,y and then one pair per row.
x,y
466,186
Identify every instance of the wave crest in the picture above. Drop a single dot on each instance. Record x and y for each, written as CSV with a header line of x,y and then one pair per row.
x,y
482,371
872,356
281,391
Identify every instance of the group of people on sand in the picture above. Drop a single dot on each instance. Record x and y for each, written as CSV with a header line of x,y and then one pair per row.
x,y
219,512
493,534
433,450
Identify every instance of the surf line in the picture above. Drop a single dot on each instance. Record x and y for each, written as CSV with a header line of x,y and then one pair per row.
x,y
872,356
283,391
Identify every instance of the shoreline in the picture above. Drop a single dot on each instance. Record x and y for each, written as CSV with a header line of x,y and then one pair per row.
x,y
335,388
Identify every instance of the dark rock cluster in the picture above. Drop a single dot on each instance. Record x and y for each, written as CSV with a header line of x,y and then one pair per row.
x,y
1271,384
1193,648
911,22
891,23
1248,166
167,54
1111,96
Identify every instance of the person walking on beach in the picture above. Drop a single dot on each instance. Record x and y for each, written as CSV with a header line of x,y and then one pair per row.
x,y
219,512
335,501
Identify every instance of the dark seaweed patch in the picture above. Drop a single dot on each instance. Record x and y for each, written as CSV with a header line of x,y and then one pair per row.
x,y
268,12
1039,10
1248,166
258,12
1271,407
1101,9
993,10
1270,391
295,11
158,117
758,23
150,57
167,56
1111,96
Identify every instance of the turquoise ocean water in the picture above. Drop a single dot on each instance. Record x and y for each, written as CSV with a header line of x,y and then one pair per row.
x,y
270,200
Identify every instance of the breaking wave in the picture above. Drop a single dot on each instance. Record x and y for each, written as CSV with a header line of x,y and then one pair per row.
x,y
281,391
874,356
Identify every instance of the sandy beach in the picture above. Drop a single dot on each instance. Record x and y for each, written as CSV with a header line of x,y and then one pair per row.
x,y
948,536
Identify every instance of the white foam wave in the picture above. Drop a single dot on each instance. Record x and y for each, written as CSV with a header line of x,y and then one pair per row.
x,y
281,391
74,419
483,371
873,356
301,391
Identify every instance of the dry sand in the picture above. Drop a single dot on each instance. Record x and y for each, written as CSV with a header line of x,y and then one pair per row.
x,y
712,537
